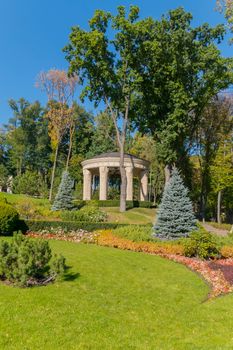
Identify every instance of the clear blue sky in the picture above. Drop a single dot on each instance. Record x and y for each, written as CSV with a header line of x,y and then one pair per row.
x,y
33,33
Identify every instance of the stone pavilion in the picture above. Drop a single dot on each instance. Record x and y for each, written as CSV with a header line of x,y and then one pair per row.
x,y
106,165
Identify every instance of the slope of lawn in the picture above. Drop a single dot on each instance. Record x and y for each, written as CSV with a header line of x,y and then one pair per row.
x,y
131,216
42,207
112,299
19,198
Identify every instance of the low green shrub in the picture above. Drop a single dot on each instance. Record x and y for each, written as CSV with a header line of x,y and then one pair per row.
x,y
67,226
27,262
201,244
3,200
9,219
87,213
114,203
135,233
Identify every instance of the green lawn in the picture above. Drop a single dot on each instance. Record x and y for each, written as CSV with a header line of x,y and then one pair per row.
x,y
18,198
120,300
132,216
42,207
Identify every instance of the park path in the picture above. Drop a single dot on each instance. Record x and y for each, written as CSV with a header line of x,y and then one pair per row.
x,y
216,231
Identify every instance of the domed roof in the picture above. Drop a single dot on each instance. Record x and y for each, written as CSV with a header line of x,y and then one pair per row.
x,y
113,159
115,155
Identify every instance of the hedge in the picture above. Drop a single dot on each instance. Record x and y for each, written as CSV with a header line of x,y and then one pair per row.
x,y
115,203
35,226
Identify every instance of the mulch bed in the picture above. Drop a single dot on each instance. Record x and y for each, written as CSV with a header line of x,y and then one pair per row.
x,y
226,267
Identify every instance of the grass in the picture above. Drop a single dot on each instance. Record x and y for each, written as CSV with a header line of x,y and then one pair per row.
x,y
131,216
19,198
41,210
114,299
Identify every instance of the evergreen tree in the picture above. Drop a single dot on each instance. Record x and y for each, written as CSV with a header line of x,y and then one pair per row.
x,y
64,197
175,214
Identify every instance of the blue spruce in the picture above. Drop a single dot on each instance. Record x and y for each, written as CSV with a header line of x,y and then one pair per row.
x,y
175,217
64,196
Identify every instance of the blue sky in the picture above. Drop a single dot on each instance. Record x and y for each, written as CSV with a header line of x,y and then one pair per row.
x,y
33,33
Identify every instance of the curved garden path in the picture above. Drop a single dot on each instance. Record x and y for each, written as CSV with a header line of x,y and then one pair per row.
x,y
211,229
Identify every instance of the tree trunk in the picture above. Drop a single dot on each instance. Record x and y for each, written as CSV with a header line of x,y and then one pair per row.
x,y
53,174
167,172
69,154
219,207
123,181
150,187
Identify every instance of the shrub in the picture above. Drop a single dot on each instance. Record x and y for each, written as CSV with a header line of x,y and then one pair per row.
x,y
202,245
67,226
26,209
3,200
29,183
227,252
25,261
135,233
9,219
115,203
87,213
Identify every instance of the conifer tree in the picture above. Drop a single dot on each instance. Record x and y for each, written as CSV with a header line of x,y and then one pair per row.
x,y
175,218
64,197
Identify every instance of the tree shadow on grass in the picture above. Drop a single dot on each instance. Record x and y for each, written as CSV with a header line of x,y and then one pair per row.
x,y
70,276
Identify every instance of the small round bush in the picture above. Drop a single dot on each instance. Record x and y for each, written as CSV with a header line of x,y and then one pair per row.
x,y
85,214
201,244
9,219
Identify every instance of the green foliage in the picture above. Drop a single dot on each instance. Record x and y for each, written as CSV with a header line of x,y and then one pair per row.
x,y
3,200
201,244
145,147
27,138
135,233
175,218
25,261
67,226
114,203
29,183
184,70
113,193
104,139
64,196
86,214
3,175
9,219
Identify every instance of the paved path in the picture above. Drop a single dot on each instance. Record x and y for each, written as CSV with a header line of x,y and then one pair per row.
x,y
212,229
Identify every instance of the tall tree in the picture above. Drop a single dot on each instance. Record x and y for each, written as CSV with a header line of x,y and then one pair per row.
x,y
222,171
145,147
107,65
214,125
182,71
60,91
226,6
23,136
104,138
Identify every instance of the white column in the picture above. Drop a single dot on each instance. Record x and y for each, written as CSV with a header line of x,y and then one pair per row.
x,y
129,188
103,183
87,178
144,186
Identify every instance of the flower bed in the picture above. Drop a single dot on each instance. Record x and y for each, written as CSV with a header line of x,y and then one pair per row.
x,y
217,273
72,236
